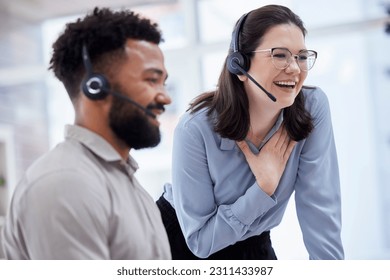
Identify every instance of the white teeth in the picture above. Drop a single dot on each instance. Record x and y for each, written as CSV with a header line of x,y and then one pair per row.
x,y
286,83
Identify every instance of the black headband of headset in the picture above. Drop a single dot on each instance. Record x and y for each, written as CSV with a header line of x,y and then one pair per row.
x,y
236,33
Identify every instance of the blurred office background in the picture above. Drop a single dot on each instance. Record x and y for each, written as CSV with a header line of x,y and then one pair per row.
x,y
353,68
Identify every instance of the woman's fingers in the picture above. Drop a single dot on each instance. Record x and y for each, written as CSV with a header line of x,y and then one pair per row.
x,y
245,150
276,137
283,138
269,164
289,149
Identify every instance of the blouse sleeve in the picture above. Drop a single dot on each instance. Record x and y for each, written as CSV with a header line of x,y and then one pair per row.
x,y
317,189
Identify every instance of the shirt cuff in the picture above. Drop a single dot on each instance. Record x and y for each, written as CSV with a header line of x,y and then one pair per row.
x,y
254,204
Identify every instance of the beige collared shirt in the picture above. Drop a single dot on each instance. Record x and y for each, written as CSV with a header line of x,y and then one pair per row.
x,y
81,201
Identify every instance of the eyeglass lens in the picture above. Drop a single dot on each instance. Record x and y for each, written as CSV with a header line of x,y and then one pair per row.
x,y
283,57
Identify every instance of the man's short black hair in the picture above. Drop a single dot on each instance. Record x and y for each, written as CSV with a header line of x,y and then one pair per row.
x,y
104,32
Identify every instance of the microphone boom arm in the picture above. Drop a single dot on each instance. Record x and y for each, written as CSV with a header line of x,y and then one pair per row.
x,y
273,98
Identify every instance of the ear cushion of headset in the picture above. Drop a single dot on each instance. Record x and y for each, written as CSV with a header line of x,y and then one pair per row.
x,y
240,59
96,87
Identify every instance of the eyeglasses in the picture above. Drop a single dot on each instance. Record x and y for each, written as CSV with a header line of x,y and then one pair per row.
x,y
282,58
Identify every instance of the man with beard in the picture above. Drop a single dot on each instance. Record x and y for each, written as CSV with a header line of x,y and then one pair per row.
x,y
81,199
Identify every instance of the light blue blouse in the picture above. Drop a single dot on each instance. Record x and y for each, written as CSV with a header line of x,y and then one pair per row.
x,y
218,201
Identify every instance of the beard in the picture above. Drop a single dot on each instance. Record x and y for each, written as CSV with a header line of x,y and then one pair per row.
x,y
132,125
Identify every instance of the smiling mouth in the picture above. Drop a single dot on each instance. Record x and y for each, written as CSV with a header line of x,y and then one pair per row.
x,y
286,84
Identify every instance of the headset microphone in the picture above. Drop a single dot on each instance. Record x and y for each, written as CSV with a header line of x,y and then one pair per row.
x,y
125,98
273,98
96,86
238,63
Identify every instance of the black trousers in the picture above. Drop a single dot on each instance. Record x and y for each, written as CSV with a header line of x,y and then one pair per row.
x,y
253,248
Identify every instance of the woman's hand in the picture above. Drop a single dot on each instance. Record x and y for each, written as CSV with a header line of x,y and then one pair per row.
x,y
268,166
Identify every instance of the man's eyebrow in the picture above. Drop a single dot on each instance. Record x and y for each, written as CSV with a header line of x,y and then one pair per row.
x,y
156,71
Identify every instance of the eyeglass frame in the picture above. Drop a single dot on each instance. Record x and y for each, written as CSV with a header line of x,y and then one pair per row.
x,y
296,56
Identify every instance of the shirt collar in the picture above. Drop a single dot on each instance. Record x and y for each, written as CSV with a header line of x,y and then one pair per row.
x,y
228,144
97,144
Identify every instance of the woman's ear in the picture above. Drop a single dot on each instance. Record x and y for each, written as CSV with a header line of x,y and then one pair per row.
x,y
242,78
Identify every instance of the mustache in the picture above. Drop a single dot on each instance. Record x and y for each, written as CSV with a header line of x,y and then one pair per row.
x,y
157,106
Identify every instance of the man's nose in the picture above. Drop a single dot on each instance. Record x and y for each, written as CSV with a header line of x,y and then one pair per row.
x,y
163,96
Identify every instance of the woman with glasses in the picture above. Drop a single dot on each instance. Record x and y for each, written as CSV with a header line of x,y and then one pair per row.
x,y
242,150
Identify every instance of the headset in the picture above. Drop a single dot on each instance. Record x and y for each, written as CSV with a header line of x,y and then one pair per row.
x,y
236,59
238,63
96,86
